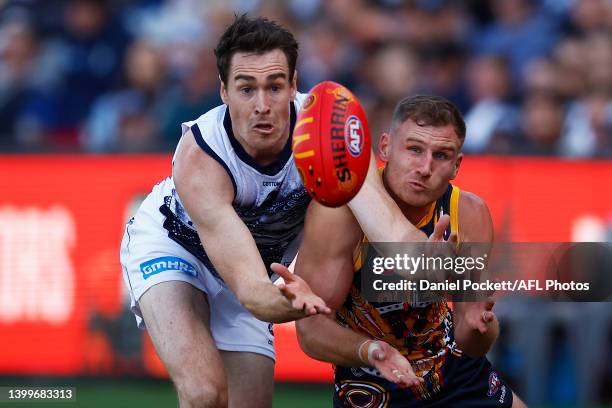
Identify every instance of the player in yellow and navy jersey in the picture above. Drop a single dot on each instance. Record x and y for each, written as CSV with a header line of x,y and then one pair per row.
x,y
404,354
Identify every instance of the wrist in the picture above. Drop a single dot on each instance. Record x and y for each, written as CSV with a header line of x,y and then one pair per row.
x,y
366,351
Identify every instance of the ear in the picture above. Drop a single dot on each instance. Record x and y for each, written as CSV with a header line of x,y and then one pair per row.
x,y
223,91
384,146
293,85
457,165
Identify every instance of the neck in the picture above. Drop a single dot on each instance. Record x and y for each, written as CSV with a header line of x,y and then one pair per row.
x,y
264,157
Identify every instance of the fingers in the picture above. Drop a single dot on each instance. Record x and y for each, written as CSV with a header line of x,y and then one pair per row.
x,y
282,271
393,366
286,292
296,290
440,227
323,309
406,377
312,307
488,316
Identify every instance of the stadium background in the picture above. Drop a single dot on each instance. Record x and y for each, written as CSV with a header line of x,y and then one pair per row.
x,y
91,96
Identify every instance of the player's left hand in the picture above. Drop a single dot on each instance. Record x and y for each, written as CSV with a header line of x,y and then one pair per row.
x,y
297,291
392,365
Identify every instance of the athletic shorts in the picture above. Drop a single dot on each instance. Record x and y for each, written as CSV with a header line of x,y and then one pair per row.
x,y
149,257
467,382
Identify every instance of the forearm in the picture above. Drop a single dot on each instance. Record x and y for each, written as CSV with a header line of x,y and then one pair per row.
x,y
238,262
384,221
319,339
265,301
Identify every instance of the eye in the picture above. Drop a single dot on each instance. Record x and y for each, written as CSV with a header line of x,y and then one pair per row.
x,y
440,155
246,90
415,149
275,88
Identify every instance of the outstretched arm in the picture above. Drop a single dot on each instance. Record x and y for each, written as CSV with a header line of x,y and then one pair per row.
x,y
207,193
379,216
325,261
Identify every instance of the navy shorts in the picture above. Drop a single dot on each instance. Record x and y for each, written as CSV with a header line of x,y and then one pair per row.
x,y
464,382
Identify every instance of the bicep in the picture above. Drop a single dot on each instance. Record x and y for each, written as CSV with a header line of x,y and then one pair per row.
x,y
203,185
206,192
325,260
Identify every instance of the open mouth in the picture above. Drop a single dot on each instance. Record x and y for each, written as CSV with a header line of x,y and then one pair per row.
x,y
264,127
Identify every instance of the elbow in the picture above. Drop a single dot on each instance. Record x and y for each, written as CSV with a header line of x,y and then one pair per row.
x,y
304,336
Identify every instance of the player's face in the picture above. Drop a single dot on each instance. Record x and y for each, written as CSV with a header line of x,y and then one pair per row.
x,y
420,162
258,94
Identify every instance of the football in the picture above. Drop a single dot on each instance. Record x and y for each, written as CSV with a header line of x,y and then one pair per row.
x,y
331,144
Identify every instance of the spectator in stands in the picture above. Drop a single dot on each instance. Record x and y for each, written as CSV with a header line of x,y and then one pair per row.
x,y
91,52
72,51
492,119
588,129
196,93
542,119
521,32
19,76
444,68
392,73
127,120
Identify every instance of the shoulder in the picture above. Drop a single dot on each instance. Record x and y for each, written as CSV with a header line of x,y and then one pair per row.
x,y
196,171
207,122
474,218
299,100
470,202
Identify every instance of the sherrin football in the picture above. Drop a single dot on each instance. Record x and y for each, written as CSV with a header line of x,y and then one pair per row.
x,y
331,144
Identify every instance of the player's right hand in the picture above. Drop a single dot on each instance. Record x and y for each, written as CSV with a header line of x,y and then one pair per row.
x,y
439,230
393,366
297,291
439,247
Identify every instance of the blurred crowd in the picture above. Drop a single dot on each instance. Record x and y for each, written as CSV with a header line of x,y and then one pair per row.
x,y
533,77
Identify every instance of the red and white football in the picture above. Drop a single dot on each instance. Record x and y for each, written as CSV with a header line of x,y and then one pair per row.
x,y
331,144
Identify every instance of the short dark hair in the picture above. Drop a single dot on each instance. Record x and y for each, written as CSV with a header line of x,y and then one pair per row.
x,y
429,110
256,35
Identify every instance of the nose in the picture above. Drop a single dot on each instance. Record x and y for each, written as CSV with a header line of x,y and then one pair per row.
x,y
424,169
262,104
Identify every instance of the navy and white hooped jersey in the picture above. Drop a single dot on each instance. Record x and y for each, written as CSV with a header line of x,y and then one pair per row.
x,y
271,200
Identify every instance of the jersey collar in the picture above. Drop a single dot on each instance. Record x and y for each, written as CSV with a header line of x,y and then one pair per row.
x,y
272,168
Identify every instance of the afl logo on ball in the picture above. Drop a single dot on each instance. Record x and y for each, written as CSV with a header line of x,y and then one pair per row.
x,y
310,100
354,135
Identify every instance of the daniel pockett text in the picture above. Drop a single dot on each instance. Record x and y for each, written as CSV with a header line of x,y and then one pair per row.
x,y
394,272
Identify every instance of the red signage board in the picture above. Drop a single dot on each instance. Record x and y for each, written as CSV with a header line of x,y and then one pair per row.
x,y
63,308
